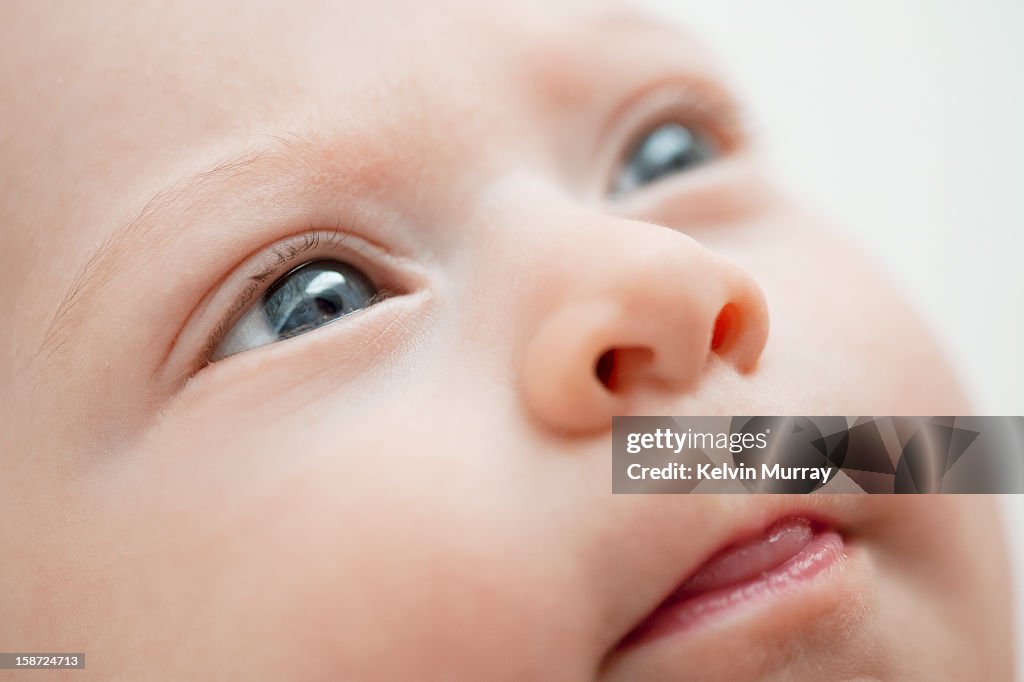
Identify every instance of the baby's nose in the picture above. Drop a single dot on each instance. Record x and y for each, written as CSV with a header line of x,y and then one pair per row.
x,y
635,308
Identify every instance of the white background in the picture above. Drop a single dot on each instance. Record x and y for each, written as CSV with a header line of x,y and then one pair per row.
x,y
904,121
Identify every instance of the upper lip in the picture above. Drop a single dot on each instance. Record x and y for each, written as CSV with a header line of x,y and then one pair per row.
x,y
749,517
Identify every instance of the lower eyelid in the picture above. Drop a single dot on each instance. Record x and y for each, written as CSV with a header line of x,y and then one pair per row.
x,y
340,352
728,191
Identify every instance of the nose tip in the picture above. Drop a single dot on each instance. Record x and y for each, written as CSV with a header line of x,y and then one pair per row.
x,y
641,335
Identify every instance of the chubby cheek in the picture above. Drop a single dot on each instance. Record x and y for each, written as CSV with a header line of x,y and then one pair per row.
x,y
943,573
843,340
327,545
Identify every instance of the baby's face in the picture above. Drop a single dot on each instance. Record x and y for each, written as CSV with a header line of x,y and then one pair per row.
x,y
320,313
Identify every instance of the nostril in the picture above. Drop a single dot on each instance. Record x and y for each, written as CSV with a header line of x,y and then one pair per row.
x,y
621,369
725,326
605,369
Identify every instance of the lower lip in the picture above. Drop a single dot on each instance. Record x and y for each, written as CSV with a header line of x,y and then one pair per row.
x,y
685,610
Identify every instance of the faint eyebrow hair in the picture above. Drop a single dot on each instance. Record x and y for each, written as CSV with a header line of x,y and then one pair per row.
x,y
96,271
639,18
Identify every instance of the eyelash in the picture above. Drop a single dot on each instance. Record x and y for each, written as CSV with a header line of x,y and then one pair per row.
x,y
286,255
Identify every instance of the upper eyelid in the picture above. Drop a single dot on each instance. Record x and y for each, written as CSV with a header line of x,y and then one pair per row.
x,y
704,92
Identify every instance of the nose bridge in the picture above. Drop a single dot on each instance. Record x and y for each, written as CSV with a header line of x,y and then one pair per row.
x,y
633,308
640,258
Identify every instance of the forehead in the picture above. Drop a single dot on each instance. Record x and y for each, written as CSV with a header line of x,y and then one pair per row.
x,y
127,75
212,61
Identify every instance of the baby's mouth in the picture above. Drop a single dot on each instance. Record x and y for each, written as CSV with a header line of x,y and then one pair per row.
x,y
788,553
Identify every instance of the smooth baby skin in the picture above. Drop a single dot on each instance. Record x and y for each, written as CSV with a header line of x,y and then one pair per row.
x,y
421,490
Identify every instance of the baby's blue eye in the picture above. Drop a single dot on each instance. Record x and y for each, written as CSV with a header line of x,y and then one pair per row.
x,y
669,148
308,297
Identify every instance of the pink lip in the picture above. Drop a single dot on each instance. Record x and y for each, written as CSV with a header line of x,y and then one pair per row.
x,y
786,555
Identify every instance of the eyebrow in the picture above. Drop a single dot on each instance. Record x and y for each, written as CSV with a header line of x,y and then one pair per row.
x,y
96,271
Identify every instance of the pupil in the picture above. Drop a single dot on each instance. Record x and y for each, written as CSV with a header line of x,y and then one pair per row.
x,y
315,294
327,307
668,149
